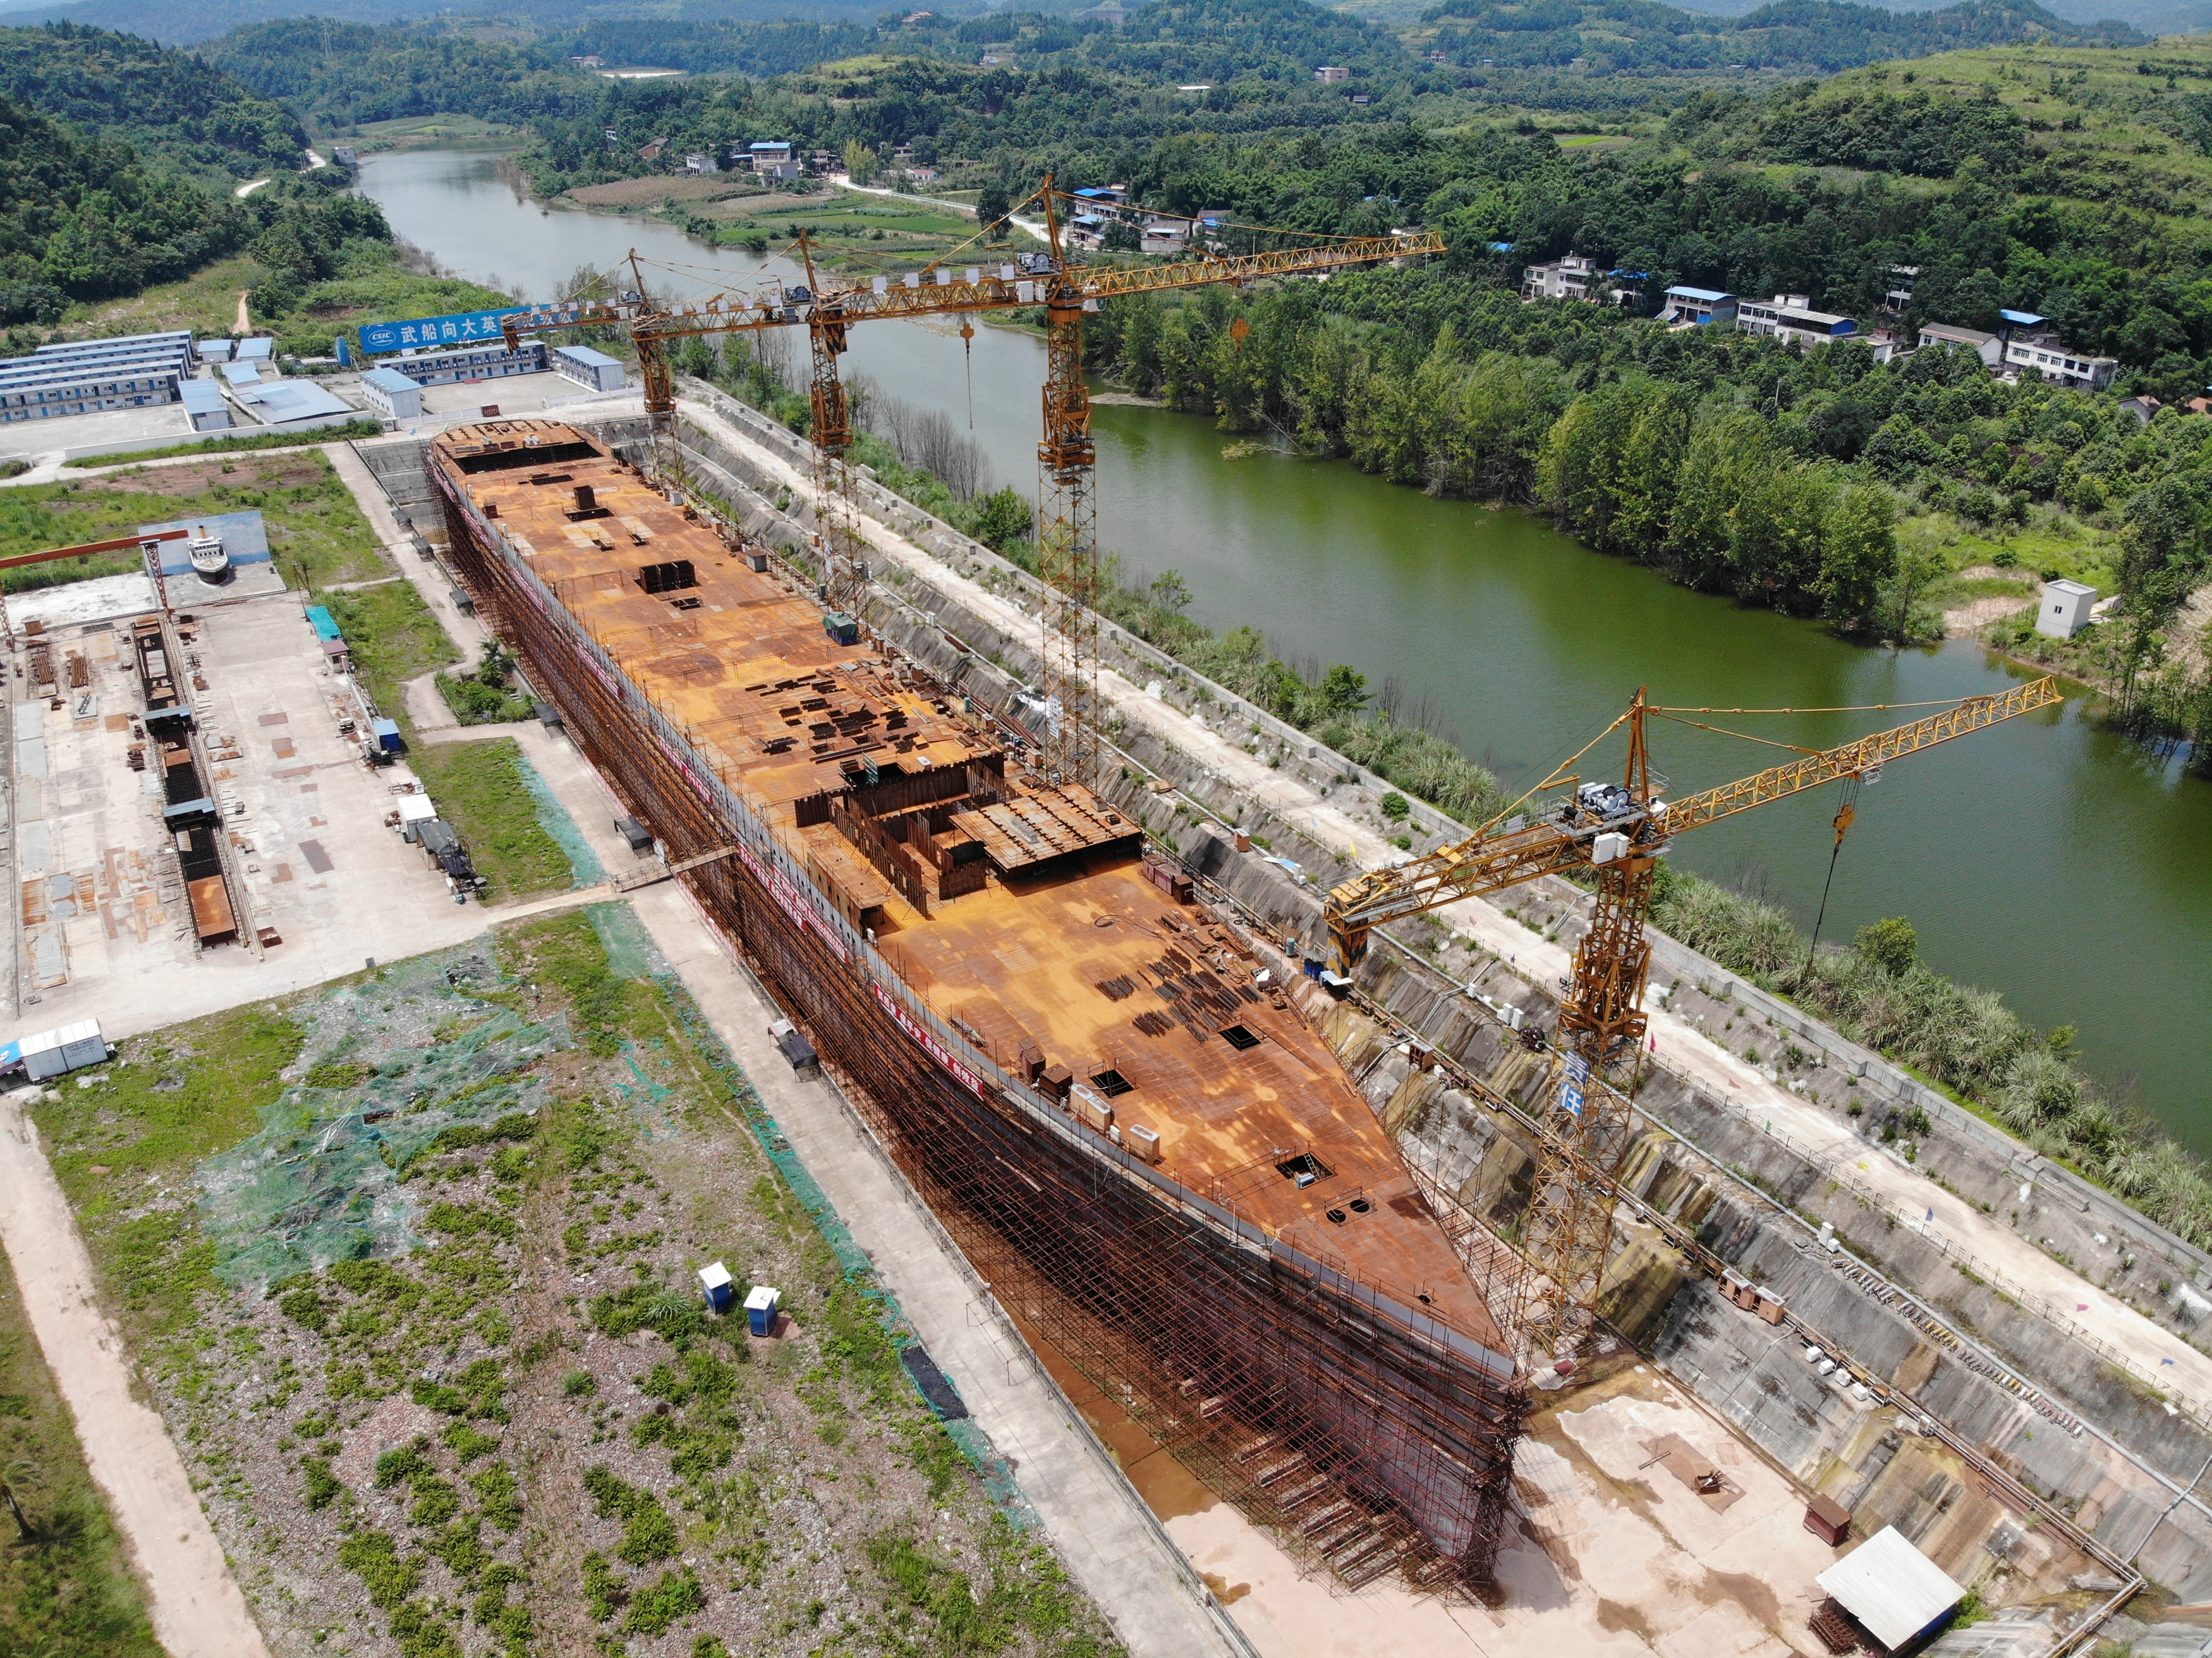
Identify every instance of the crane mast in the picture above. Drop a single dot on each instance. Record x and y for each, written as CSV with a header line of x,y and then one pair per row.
x,y
1617,834
1068,541
1068,530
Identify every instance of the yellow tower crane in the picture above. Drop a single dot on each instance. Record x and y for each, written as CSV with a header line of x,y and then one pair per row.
x,y
1068,541
1618,832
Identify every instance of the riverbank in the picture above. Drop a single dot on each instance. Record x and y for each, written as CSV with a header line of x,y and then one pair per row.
x,y
1961,1041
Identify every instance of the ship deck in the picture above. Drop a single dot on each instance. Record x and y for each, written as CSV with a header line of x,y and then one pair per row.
x,y
1021,913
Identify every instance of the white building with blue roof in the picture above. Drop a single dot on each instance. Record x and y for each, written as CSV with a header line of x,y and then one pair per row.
x,y
392,394
1701,307
594,370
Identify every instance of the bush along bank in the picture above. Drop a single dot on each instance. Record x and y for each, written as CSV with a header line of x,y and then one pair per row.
x,y
1815,482
1879,993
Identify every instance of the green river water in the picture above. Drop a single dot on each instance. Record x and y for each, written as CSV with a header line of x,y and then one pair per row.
x,y
2045,857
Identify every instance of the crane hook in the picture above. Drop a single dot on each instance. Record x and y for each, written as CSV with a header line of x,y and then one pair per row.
x,y
1846,815
967,353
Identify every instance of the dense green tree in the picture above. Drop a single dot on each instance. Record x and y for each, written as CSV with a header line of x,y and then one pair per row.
x,y
1891,945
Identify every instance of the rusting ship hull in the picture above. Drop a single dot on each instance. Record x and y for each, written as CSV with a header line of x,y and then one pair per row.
x,y
1292,1325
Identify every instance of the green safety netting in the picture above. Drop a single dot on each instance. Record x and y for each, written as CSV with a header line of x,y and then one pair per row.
x,y
320,1181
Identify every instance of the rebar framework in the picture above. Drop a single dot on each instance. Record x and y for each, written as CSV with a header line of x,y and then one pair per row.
x,y
1368,1435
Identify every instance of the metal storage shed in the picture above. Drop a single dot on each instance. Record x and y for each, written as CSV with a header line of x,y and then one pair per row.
x,y
1897,1594
50,1053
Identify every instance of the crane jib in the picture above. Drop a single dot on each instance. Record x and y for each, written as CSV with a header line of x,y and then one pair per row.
x,y
783,307
1492,862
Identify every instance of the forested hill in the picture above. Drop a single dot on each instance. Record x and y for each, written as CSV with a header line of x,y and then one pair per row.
x,y
1638,37
175,23
351,72
80,218
174,110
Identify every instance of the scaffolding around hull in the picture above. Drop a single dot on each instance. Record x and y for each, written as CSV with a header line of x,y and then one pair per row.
x,y
1366,1435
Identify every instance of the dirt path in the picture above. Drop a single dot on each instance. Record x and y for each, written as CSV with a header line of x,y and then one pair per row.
x,y
2179,1368
245,323
194,1601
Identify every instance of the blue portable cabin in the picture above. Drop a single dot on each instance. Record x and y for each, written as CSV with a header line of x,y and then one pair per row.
x,y
714,1285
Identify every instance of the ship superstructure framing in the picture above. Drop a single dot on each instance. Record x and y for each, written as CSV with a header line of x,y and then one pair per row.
x,y
1160,1167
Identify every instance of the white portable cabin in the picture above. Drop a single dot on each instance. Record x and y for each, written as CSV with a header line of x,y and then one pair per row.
x,y
72,1047
2064,609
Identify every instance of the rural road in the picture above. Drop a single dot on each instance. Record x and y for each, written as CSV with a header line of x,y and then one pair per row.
x,y
192,1598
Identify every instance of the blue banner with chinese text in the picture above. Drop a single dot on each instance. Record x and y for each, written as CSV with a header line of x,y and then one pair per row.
x,y
463,330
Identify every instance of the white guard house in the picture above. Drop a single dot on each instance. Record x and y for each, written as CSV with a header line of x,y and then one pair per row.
x,y
2064,609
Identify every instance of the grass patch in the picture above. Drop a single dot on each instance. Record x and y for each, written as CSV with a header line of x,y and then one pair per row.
x,y
206,301
66,1587
475,703
394,636
353,428
864,234
145,1125
407,131
312,521
479,790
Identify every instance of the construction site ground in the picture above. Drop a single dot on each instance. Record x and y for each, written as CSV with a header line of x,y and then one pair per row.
x,y
106,934
1112,1547
508,1416
1590,1510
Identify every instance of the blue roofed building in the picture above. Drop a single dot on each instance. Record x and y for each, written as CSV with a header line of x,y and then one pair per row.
x,y
85,377
392,394
300,403
1790,318
204,403
595,370
488,360
1699,306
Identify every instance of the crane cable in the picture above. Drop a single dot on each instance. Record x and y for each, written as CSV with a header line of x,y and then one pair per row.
x,y
1724,731
1846,815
